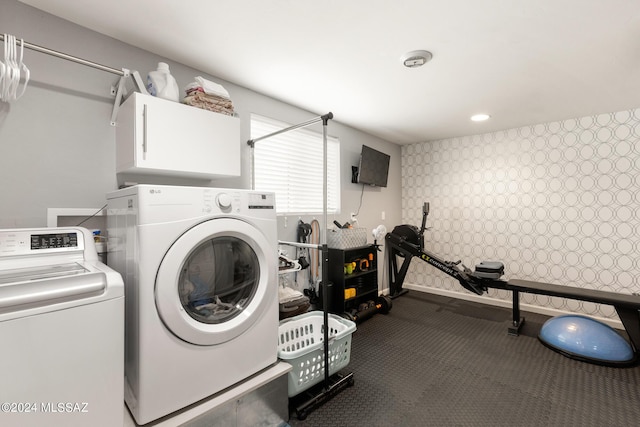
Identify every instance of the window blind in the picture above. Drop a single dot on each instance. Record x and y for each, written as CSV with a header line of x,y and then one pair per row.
x,y
291,165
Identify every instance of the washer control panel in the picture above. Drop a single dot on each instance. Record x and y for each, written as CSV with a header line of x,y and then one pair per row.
x,y
24,242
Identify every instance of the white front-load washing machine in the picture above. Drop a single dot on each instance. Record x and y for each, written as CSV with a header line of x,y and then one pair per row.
x,y
200,272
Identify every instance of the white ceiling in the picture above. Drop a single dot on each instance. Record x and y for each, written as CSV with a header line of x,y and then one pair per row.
x,y
522,62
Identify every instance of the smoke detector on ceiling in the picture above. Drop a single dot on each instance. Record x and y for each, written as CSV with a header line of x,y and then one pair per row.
x,y
416,58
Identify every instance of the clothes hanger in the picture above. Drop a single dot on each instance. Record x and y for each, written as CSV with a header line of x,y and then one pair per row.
x,y
4,75
25,70
15,69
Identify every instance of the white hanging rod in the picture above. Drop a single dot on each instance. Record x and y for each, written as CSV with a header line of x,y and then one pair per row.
x,y
68,57
300,244
123,73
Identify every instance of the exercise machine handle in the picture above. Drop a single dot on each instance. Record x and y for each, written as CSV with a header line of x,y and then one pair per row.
x,y
425,212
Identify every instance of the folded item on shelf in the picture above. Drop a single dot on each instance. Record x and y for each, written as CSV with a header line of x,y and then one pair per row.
x,y
208,87
291,302
286,294
209,102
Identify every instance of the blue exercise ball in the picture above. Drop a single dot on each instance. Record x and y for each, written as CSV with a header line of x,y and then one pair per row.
x,y
586,339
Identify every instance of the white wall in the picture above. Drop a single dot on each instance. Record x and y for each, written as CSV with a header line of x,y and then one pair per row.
x,y
556,202
57,148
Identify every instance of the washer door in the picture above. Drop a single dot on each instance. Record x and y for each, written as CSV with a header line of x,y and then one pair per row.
x,y
215,281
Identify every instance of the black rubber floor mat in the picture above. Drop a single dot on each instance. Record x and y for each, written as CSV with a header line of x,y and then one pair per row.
x,y
439,361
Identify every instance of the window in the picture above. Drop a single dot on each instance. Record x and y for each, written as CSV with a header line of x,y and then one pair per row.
x,y
291,165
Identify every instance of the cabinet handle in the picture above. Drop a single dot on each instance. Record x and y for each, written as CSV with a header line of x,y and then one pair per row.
x,y
144,132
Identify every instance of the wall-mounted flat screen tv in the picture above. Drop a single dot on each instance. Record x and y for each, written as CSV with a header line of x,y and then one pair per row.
x,y
374,167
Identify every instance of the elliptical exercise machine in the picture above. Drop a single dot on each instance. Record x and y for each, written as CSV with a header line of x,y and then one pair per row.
x,y
407,241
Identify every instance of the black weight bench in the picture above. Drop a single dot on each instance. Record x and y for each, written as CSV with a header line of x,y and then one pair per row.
x,y
626,305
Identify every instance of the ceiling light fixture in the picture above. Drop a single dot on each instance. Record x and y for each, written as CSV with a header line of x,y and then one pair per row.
x,y
480,117
416,58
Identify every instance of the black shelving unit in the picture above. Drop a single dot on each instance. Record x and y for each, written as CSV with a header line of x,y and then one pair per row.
x,y
351,290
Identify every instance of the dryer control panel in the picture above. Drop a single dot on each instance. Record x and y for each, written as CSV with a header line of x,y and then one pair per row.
x,y
262,201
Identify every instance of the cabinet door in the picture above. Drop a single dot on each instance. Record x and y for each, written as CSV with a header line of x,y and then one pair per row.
x,y
170,138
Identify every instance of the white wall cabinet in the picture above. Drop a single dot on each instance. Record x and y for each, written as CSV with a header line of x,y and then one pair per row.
x,y
159,137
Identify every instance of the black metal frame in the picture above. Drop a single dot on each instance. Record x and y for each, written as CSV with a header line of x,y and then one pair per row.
x,y
331,386
399,246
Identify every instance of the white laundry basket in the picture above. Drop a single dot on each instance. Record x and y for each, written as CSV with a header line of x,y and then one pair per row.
x,y
301,344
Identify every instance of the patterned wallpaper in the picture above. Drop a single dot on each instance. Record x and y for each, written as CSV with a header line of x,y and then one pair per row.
x,y
556,202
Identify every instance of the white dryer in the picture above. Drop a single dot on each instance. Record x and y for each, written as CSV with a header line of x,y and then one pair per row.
x,y
200,272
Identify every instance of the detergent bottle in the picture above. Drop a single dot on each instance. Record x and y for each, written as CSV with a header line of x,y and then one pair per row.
x,y
161,83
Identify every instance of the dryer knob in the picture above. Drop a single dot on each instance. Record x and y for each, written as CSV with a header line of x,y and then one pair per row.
x,y
223,200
